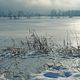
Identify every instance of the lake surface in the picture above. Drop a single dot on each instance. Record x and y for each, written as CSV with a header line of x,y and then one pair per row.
x,y
59,28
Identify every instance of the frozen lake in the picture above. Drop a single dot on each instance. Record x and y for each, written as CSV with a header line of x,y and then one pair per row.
x,y
59,28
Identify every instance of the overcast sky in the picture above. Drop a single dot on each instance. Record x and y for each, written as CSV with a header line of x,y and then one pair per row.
x,y
40,4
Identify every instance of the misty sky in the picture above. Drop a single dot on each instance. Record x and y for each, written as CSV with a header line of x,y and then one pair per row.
x,y
39,4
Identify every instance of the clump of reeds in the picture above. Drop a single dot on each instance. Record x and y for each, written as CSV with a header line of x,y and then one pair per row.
x,y
34,42
70,50
40,44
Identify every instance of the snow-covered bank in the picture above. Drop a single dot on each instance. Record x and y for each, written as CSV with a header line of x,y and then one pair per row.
x,y
36,67
38,58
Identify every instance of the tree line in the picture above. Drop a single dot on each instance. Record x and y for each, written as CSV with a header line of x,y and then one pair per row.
x,y
52,13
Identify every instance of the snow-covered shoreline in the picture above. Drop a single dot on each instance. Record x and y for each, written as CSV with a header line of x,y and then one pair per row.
x,y
38,55
38,65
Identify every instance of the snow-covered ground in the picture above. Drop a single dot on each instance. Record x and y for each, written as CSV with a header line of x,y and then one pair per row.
x,y
39,68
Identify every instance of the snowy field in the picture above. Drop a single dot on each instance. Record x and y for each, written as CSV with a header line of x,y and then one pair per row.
x,y
50,50
51,67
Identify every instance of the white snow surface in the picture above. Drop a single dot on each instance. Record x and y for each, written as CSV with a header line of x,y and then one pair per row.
x,y
33,64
